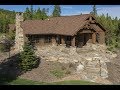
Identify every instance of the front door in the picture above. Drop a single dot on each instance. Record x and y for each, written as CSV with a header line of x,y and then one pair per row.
x,y
80,40
87,38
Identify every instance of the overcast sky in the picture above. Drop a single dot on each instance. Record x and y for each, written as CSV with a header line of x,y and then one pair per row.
x,y
112,10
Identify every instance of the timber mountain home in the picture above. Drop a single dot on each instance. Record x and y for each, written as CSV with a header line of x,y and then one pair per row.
x,y
73,31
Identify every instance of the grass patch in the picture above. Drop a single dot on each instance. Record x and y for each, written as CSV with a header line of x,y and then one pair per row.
x,y
20,81
57,73
74,82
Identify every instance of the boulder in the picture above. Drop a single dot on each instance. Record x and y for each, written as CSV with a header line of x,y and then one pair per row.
x,y
104,73
88,58
72,50
51,58
75,61
114,55
80,68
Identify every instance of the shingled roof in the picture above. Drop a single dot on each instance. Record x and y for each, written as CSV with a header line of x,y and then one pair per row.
x,y
64,25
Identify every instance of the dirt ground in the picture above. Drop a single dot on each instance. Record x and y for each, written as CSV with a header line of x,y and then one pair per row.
x,y
43,73
114,70
9,67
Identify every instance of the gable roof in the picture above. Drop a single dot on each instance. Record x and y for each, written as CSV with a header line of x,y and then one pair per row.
x,y
64,25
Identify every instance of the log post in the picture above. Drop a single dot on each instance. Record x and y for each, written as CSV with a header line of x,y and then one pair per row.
x,y
42,40
94,38
73,42
102,38
62,40
53,40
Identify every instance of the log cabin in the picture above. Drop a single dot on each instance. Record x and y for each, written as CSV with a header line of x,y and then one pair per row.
x,y
75,31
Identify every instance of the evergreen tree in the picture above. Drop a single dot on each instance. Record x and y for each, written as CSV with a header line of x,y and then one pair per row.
x,y
94,11
118,30
56,11
44,14
38,14
27,14
107,16
31,10
28,59
112,30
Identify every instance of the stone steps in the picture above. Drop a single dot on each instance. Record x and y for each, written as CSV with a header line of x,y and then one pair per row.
x,y
92,69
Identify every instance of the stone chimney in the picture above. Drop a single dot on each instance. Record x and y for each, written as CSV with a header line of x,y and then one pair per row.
x,y
19,37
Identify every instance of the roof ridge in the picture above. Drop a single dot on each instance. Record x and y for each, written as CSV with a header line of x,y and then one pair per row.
x,y
56,17
70,16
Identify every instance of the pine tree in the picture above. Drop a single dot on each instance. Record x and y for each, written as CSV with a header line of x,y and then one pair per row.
x,y
27,14
56,11
44,14
31,10
28,59
94,11
38,14
118,35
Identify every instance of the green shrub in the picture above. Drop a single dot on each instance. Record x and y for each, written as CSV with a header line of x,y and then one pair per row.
x,y
28,60
11,35
5,43
1,48
57,73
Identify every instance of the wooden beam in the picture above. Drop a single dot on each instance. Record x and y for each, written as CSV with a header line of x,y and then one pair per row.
x,y
93,21
90,18
86,31
73,42
42,40
102,37
62,40
94,38
53,40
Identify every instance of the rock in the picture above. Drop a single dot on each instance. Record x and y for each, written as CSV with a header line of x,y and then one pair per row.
x,y
52,58
61,58
93,63
114,55
72,50
96,58
104,73
83,61
88,58
80,68
91,77
102,80
63,61
65,50
75,61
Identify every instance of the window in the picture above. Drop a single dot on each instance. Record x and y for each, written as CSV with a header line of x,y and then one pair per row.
x,y
47,39
36,39
68,41
58,40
